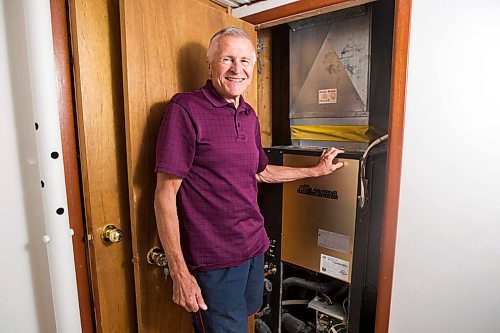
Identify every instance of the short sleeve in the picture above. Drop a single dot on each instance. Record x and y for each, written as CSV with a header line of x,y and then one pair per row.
x,y
263,161
176,143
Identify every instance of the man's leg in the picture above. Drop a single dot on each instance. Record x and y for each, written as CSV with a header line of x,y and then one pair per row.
x,y
255,285
225,292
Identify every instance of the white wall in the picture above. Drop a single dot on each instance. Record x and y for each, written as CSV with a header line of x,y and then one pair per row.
x,y
447,269
25,292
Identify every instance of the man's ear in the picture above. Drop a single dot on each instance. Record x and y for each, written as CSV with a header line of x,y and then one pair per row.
x,y
209,69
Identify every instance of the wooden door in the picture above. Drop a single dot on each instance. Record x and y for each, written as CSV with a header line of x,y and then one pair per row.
x,y
163,47
95,35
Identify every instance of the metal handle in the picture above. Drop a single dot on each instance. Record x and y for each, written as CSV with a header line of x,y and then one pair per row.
x,y
111,234
156,257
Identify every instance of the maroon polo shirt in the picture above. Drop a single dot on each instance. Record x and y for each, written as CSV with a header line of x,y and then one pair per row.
x,y
216,150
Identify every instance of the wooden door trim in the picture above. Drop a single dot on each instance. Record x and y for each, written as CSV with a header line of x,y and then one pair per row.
x,y
293,10
402,15
314,12
60,37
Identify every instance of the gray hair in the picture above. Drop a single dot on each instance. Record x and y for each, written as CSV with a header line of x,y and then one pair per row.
x,y
214,45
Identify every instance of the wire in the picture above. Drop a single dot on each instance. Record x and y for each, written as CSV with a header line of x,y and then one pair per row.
x,y
362,178
327,299
333,329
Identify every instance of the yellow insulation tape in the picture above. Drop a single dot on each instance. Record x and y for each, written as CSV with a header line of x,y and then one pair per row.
x,y
331,133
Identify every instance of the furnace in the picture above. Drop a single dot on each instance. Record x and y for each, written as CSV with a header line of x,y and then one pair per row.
x,y
332,85
322,265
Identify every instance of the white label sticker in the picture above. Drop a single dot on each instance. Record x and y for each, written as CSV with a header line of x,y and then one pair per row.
x,y
333,241
334,267
327,96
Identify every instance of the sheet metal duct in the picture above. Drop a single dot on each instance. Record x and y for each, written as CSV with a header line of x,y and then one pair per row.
x,y
329,79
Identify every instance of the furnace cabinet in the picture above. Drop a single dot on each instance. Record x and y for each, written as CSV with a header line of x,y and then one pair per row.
x,y
322,265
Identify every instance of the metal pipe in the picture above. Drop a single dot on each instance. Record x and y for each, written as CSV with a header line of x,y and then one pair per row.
x,y
261,326
292,324
323,287
58,235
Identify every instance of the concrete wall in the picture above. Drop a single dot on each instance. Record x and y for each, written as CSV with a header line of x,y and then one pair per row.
x,y
448,246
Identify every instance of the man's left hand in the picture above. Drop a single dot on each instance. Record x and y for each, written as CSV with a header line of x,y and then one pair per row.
x,y
325,165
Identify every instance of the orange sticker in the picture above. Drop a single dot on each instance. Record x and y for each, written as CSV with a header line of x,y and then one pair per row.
x,y
327,96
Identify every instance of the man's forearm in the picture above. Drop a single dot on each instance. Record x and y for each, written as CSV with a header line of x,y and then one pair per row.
x,y
282,174
185,289
168,229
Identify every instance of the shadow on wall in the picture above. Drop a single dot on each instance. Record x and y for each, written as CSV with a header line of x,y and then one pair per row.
x,y
192,70
17,54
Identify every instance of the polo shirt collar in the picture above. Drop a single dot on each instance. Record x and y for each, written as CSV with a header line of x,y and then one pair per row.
x,y
217,101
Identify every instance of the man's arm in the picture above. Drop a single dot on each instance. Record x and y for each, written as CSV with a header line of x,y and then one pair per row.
x,y
281,174
186,291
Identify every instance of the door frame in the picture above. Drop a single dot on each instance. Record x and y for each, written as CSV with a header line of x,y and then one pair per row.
x,y
402,17
64,78
401,40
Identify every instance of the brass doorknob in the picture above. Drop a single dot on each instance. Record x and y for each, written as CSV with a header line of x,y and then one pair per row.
x,y
111,234
156,257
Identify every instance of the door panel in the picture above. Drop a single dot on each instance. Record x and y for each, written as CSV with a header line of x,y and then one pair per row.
x,y
163,47
99,102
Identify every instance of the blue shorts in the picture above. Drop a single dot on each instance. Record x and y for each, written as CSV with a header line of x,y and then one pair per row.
x,y
231,294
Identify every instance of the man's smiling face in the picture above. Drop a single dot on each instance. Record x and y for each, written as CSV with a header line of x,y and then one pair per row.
x,y
231,68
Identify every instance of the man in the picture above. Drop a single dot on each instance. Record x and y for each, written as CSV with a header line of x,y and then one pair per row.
x,y
209,157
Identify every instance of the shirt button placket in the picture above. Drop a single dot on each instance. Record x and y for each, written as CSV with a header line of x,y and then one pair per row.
x,y
235,121
238,126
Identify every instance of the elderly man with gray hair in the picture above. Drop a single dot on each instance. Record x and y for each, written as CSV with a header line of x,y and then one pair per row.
x,y
209,159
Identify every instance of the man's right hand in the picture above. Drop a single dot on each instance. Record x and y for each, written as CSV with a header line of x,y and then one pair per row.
x,y
187,293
